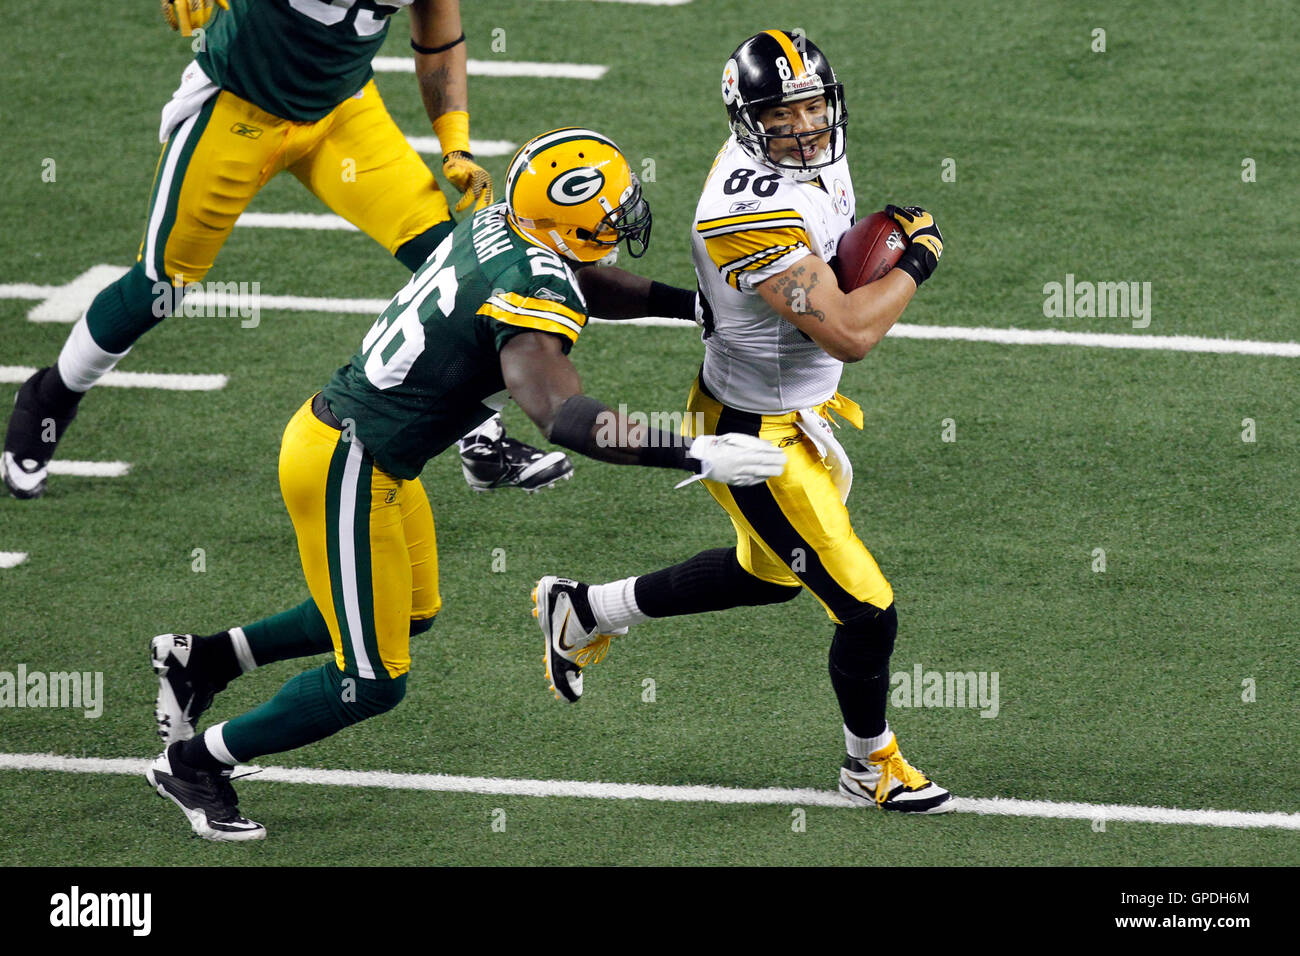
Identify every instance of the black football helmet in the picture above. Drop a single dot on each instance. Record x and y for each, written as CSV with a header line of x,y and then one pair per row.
x,y
775,67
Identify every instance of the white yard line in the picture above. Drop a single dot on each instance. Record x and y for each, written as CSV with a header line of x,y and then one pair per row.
x,y
294,220
11,559
479,147
990,806
65,303
72,298
16,374
1097,340
550,71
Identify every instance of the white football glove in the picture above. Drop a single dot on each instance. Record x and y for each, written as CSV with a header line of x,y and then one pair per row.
x,y
735,459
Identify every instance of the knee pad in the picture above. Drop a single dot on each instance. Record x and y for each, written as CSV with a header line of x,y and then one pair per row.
x,y
865,641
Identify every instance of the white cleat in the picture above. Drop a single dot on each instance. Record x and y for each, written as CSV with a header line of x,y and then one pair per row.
x,y
570,632
24,479
887,781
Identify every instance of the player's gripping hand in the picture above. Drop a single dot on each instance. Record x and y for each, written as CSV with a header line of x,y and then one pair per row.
x,y
924,241
736,459
470,178
189,15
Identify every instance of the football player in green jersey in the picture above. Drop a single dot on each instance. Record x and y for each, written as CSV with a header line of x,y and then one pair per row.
x,y
490,315
285,85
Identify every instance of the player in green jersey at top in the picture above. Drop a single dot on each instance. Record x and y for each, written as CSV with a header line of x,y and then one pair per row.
x,y
285,85
491,315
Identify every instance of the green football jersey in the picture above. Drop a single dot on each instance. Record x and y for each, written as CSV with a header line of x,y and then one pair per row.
x,y
428,370
297,59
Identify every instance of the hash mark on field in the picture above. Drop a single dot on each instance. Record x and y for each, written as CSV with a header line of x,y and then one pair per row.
x,y
442,783
561,71
89,469
11,559
178,382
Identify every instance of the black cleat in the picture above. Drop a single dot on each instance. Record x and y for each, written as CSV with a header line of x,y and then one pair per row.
x,y
207,799
33,434
506,463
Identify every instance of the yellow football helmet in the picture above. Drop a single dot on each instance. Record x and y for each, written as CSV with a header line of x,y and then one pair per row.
x,y
573,191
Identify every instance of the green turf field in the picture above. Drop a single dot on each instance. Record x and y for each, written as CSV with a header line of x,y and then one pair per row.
x,y
1123,686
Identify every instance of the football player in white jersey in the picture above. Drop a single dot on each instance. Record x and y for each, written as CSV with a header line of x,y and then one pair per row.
x,y
777,332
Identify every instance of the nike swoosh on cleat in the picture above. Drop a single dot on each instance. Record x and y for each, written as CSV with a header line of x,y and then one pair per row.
x,y
563,627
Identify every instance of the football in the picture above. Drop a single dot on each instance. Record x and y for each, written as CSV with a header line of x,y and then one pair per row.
x,y
867,251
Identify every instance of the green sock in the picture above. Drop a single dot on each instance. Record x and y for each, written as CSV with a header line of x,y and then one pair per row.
x,y
310,707
297,632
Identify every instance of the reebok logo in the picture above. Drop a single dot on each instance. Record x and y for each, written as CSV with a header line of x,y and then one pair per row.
x,y
249,132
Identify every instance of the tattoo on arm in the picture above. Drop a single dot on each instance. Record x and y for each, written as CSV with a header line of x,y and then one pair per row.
x,y
433,88
798,291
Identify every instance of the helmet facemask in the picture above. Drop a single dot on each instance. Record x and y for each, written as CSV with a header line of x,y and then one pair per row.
x,y
757,141
630,220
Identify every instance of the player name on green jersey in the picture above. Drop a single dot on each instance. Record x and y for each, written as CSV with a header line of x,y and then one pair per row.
x,y
297,59
429,370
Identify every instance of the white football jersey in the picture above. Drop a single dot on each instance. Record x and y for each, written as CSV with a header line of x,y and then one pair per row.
x,y
751,224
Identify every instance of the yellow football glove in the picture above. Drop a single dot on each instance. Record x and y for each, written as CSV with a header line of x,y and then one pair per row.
x,y
189,15
470,178
924,241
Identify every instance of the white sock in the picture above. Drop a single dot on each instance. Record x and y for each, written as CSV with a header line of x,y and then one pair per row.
x,y
82,363
490,430
216,745
614,605
863,747
243,653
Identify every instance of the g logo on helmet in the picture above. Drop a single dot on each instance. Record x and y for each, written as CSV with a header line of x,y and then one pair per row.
x,y
576,186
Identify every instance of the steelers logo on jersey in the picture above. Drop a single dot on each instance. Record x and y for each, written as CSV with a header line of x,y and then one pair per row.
x,y
841,195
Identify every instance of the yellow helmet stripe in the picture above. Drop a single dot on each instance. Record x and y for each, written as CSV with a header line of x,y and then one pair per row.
x,y
790,50
541,143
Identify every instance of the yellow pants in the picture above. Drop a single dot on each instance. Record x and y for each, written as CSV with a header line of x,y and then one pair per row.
x,y
793,529
355,159
367,544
